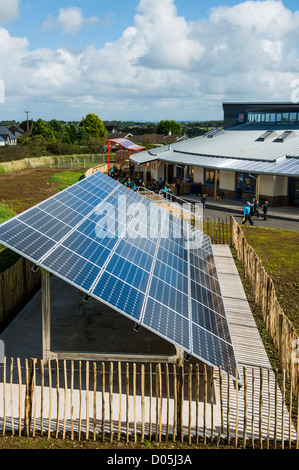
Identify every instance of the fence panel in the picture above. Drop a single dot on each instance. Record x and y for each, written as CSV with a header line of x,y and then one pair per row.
x,y
16,284
277,323
110,401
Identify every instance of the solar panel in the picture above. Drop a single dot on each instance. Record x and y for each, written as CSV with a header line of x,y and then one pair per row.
x,y
131,254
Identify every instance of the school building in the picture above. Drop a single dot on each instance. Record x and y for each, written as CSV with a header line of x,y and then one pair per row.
x,y
255,154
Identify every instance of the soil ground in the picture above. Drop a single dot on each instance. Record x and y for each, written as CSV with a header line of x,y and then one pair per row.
x,y
25,188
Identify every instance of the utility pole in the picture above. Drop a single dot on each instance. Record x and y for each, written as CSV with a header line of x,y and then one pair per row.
x,y
27,112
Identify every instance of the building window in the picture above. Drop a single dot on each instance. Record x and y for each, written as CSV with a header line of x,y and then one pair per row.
x,y
293,117
272,117
247,182
209,177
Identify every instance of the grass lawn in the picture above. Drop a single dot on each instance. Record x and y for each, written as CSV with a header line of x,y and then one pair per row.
x,y
5,213
7,257
278,251
66,178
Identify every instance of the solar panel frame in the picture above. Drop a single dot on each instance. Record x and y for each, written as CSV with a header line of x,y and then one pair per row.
x,y
150,260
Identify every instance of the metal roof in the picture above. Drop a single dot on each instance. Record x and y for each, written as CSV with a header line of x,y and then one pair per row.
x,y
233,150
5,131
127,144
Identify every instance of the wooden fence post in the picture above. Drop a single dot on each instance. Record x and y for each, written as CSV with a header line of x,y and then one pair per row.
x,y
28,398
180,397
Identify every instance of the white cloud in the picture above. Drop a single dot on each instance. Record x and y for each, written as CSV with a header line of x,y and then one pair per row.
x,y
70,20
9,10
162,66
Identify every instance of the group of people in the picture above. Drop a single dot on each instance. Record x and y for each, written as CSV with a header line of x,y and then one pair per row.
x,y
251,209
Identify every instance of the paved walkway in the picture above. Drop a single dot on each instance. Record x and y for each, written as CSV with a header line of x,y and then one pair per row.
x,y
282,213
251,354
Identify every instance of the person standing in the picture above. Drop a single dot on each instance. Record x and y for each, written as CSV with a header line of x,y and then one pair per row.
x,y
246,214
203,200
255,208
265,210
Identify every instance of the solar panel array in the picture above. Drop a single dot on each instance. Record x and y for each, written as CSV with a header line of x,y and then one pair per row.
x,y
133,255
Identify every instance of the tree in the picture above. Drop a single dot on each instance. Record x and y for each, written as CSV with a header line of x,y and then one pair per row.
x,y
94,126
44,129
165,126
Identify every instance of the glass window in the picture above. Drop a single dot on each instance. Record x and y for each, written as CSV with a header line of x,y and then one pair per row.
x,y
272,117
285,117
209,177
249,183
278,117
262,117
293,117
267,119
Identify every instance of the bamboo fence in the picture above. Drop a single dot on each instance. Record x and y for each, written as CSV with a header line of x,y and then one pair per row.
x,y
17,284
129,401
277,323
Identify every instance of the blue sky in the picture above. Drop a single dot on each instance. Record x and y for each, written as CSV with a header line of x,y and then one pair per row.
x,y
145,60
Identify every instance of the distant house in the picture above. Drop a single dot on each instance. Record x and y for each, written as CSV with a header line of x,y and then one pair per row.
x,y
8,137
16,131
157,140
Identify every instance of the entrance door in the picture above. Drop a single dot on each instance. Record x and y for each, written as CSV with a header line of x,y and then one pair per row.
x,y
170,173
293,196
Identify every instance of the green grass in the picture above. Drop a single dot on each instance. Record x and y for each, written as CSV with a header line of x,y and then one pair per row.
x,y
66,178
5,213
7,257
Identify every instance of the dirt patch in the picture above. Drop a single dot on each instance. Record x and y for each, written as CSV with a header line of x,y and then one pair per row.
x,y
26,188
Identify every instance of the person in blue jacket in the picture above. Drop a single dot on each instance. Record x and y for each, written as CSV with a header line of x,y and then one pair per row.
x,y
246,214
265,210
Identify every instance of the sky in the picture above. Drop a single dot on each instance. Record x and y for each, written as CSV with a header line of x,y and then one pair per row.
x,y
144,60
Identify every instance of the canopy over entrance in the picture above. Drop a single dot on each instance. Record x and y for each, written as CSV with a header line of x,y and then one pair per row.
x,y
124,144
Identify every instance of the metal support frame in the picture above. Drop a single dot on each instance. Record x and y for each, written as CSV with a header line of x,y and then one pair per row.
x,y
84,355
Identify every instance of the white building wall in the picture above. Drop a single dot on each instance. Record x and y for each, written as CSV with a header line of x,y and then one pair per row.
x,y
198,175
227,180
280,187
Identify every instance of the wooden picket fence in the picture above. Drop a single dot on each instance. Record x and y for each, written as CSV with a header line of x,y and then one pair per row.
x,y
218,229
129,401
277,323
17,284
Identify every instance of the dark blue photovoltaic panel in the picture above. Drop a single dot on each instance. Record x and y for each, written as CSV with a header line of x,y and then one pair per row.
x,y
212,349
71,266
45,224
168,295
120,295
174,262
210,320
139,257
128,272
25,240
204,279
131,254
172,276
61,212
72,202
167,323
89,249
